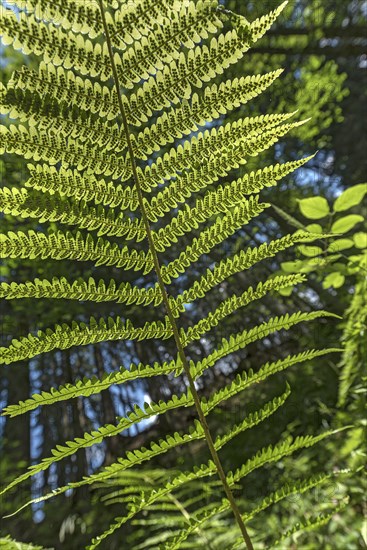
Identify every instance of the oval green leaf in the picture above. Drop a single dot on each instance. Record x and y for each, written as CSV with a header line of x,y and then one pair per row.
x,y
334,279
314,208
310,251
286,291
314,228
340,244
299,266
291,267
350,197
360,239
346,223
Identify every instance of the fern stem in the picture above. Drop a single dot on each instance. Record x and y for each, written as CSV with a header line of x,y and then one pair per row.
x,y
172,319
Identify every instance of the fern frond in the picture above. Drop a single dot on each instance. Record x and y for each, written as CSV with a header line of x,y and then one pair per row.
x,y
213,142
244,380
56,83
239,262
72,183
253,419
242,339
60,245
201,64
309,524
234,303
46,207
204,174
214,234
80,334
219,200
215,101
80,289
89,386
97,436
155,53
24,32
54,148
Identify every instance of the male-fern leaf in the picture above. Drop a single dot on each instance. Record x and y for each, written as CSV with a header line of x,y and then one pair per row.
x,y
124,121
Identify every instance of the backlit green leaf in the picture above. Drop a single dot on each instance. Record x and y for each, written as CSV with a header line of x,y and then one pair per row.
x,y
314,208
340,244
345,224
334,279
350,197
314,228
310,251
360,239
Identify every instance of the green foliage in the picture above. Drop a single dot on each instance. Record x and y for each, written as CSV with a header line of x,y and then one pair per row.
x,y
8,544
107,166
193,511
346,223
314,208
350,197
312,523
330,259
354,340
341,262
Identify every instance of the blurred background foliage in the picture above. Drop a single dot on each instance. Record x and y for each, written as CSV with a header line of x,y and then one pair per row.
x,y
321,44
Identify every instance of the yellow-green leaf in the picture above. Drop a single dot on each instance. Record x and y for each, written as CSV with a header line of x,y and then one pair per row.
x,y
299,266
346,223
360,239
287,291
340,244
334,279
310,251
291,267
314,208
314,228
350,197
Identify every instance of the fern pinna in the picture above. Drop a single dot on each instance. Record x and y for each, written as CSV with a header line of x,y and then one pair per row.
x,y
111,122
